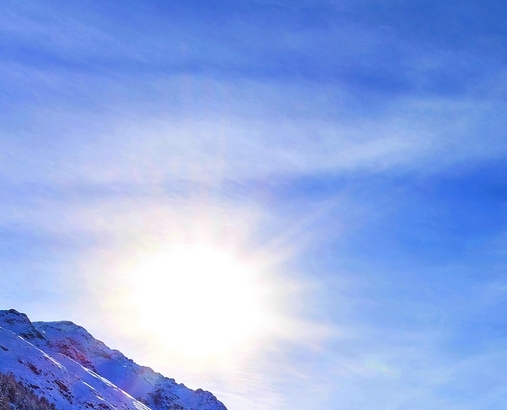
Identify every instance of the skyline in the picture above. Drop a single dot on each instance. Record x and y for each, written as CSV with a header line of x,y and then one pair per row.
x,y
346,158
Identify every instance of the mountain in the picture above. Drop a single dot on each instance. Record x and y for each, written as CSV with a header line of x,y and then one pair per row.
x,y
62,362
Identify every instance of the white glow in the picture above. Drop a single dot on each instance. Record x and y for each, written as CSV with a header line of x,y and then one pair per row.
x,y
197,292
202,300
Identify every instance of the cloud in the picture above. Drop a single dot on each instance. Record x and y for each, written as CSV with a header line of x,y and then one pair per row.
x,y
163,149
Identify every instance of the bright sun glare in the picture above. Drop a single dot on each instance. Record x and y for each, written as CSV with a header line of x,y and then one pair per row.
x,y
194,287
203,299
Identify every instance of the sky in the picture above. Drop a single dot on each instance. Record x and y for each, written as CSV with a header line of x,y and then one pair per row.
x,y
293,204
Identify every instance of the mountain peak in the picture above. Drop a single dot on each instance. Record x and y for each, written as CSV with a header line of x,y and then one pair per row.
x,y
64,328
13,316
20,324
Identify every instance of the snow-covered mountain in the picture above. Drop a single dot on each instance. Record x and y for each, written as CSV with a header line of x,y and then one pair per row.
x,y
64,363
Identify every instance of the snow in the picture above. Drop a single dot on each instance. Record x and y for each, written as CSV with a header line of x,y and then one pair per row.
x,y
64,363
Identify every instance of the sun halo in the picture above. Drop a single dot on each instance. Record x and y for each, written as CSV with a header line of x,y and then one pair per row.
x,y
201,299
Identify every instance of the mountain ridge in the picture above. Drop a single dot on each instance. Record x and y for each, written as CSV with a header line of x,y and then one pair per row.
x,y
82,372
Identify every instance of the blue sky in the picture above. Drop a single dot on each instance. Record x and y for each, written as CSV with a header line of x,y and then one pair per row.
x,y
358,146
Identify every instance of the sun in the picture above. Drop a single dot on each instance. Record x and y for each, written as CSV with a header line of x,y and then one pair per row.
x,y
200,299
193,287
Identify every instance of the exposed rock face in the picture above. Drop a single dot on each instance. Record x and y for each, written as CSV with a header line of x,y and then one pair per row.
x,y
74,370
20,324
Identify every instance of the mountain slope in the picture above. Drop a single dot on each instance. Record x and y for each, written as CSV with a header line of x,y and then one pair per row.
x,y
16,395
70,367
68,388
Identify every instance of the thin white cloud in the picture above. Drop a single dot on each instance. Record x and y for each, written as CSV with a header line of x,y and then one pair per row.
x,y
152,149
